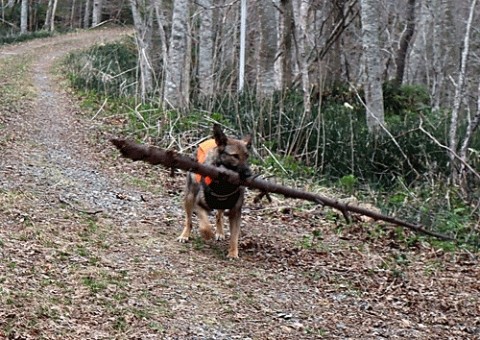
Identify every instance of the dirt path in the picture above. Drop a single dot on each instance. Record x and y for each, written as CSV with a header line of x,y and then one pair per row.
x,y
87,245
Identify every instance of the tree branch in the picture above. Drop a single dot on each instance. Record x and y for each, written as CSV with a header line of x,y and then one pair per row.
x,y
172,159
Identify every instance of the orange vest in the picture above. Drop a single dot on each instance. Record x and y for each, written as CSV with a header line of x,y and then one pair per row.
x,y
202,151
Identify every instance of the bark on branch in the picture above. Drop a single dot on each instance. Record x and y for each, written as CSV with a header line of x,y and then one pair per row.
x,y
172,159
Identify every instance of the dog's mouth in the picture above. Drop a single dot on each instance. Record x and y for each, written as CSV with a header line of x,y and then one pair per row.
x,y
243,171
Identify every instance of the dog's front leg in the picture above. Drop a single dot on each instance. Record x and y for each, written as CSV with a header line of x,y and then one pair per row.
x,y
204,224
234,220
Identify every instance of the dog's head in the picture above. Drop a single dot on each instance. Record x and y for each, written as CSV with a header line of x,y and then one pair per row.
x,y
232,153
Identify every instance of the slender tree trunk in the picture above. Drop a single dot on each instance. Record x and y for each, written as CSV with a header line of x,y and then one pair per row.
x,y
472,126
243,47
52,17
285,48
459,92
300,14
24,17
97,12
405,42
441,48
205,54
175,95
142,13
87,14
373,68
72,13
417,65
160,18
48,16
268,49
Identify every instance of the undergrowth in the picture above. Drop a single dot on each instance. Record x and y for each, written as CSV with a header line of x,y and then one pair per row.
x,y
15,37
405,173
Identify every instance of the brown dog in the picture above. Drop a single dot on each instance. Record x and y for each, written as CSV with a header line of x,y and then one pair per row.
x,y
202,194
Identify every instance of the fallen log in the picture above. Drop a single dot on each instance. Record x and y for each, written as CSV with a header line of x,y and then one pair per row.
x,y
174,160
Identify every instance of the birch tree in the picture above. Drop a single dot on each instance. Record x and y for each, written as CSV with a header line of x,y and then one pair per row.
x,y
300,14
205,49
50,16
97,12
24,17
405,41
87,14
284,56
267,49
142,12
459,91
175,93
441,48
372,84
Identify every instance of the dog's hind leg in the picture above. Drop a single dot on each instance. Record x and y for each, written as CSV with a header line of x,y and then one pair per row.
x,y
187,230
219,233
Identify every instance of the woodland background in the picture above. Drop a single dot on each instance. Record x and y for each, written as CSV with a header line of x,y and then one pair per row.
x,y
379,98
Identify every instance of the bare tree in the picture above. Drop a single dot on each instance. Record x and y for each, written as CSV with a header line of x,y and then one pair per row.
x,y
372,84
441,48
142,12
24,17
97,12
405,41
459,91
87,14
267,47
205,53
175,94
285,42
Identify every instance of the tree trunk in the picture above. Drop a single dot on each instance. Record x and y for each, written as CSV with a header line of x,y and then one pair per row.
x,y
160,18
87,14
243,47
48,16
52,17
142,13
175,95
24,17
267,50
405,42
441,48
417,65
205,53
373,68
97,12
459,92
285,48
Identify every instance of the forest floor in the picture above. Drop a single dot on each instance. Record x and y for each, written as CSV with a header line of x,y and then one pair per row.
x,y
88,243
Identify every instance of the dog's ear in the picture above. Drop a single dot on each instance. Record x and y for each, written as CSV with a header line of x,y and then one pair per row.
x,y
248,141
220,137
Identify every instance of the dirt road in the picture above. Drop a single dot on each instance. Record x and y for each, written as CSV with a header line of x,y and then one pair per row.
x,y
87,244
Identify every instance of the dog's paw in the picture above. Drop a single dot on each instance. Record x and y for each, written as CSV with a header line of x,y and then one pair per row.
x,y
232,255
182,239
207,234
219,237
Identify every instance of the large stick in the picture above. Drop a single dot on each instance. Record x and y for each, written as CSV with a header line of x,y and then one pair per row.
x,y
172,159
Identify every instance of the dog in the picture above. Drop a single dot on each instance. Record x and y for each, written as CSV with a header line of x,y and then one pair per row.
x,y
202,194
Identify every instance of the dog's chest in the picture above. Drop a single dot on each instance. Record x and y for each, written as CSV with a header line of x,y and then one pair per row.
x,y
218,200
